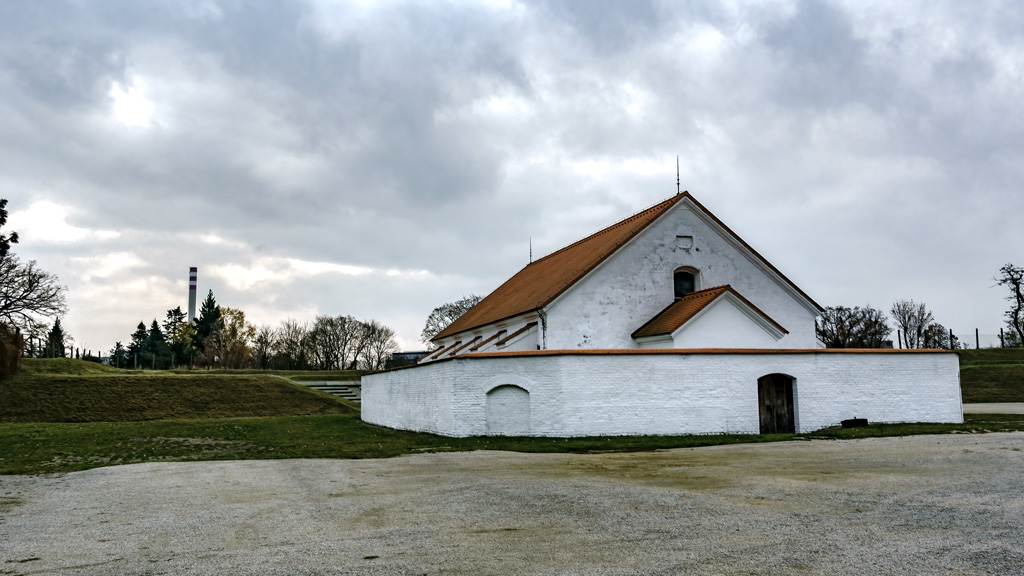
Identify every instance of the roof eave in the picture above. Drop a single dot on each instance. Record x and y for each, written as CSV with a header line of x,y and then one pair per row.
x,y
441,335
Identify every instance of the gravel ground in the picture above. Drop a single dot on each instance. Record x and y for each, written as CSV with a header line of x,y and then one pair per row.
x,y
951,504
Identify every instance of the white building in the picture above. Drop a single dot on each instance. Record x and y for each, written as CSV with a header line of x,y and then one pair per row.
x,y
664,323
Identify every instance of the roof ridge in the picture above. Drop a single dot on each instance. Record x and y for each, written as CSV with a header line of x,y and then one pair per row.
x,y
613,226
544,279
711,289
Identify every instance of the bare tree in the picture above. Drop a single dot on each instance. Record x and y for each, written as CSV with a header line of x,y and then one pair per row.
x,y
12,344
1013,277
323,343
27,293
263,342
873,328
358,343
335,342
445,314
913,319
937,336
836,326
380,344
349,332
291,350
842,327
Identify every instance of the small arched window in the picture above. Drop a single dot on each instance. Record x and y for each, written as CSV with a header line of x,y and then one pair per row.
x,y
685,282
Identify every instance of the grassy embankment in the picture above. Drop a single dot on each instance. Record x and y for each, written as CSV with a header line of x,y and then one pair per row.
x,y
992,375
64,390
65,415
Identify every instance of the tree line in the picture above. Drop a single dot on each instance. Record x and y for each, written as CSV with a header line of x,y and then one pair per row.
x,y
221,337
867,327
842,327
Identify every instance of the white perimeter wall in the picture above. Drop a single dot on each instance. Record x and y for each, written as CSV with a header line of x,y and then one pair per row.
x,y
579,394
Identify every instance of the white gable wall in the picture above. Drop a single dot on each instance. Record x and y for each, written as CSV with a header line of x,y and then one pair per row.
x,y
628,289
722,325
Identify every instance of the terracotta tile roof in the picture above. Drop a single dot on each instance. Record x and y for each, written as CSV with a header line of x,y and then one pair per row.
x,y
539,283
542,281
681,311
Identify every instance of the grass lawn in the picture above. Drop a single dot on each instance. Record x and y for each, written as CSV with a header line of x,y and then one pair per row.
x,y
32,448
66,415
992,375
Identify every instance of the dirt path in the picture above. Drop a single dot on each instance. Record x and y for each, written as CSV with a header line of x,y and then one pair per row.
x,y
927,504
995,408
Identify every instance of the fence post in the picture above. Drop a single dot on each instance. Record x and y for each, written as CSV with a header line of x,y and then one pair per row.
x,y
1002,343
977,343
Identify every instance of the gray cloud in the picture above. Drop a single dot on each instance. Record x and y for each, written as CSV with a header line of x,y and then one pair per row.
x,y
868,151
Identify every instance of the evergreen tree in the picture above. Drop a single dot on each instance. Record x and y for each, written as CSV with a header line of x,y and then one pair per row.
x,y
175,317
138,345
156,347
55,341
118,355
177,334
209,316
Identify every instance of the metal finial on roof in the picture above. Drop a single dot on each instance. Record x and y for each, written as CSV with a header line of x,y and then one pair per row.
x,y
677,174
531,249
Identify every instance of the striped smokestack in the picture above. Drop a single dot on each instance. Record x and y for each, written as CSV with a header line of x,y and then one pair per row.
x,y
192,272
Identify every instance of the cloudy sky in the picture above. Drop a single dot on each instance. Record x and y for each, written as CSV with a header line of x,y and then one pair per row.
x,y
378,159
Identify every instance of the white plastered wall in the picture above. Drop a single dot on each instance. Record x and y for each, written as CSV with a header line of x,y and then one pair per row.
x,y
628,289
665,393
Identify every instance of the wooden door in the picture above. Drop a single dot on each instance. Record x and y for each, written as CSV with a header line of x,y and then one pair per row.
x,y
775,399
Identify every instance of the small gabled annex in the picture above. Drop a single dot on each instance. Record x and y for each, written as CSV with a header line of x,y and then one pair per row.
x,y
664,323
713,318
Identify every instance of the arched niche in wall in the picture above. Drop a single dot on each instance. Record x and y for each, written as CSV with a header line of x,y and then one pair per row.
x,y
508,411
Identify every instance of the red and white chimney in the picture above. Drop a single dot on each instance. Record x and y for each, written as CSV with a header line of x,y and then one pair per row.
x,y
192,273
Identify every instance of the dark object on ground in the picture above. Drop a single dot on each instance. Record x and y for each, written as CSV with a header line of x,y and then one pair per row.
x,y
855,423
